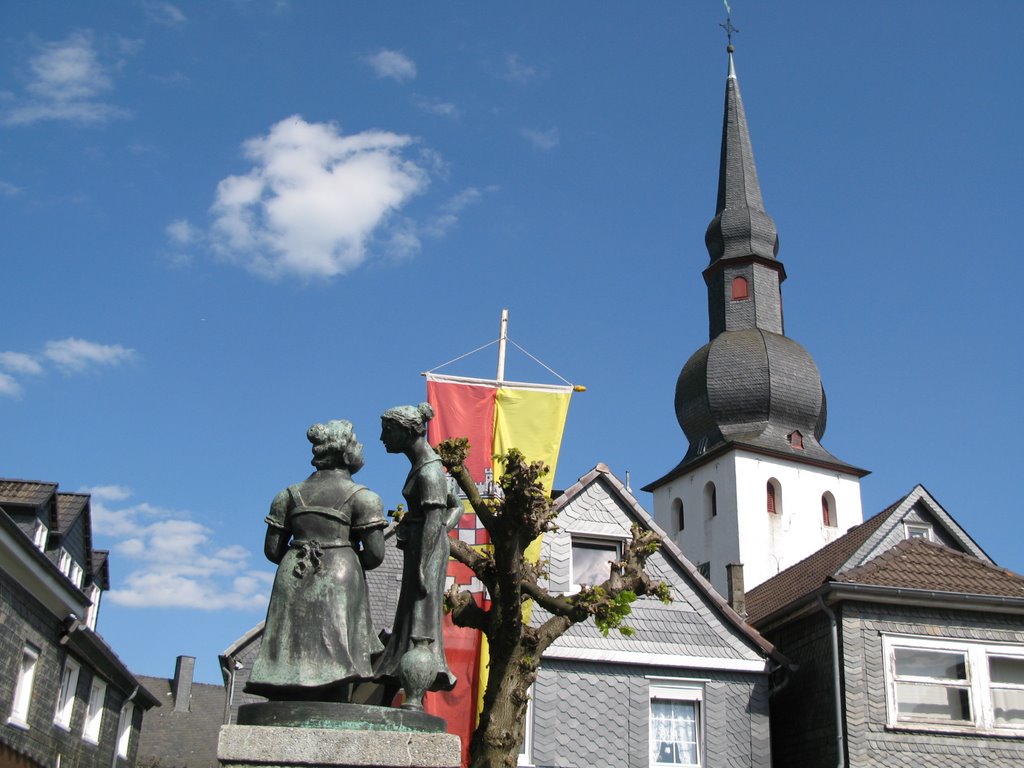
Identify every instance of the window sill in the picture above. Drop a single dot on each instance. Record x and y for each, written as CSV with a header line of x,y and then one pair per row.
x,y
17,723
954,730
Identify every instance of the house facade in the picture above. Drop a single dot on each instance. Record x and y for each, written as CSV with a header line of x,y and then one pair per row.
x,y
689,688
65,697
921,634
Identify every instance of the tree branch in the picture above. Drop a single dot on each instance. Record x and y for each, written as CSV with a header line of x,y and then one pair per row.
x,y
464,610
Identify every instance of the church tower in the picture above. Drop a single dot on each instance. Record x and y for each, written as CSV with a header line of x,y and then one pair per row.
x,y
755,487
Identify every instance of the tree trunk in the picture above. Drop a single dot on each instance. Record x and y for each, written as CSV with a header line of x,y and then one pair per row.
x,y
499,735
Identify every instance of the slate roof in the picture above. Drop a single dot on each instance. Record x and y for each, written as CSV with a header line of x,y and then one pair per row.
x,y
28,492
922,564
69,507
174,739
810,573
663,628
875,553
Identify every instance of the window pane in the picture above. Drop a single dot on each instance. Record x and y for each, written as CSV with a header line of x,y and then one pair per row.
x,y
590,561
673,732
1003,669
933,702
942,665
1008,706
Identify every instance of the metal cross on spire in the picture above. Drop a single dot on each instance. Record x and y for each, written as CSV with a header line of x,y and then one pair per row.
x,y
727,25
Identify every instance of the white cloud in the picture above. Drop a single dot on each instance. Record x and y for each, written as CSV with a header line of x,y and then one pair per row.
x,y
164,13
436,106
9,190
181,232
67,82
543,140
19,362
314,200
9,387
393,64
78,355
447,216
517,70
173,560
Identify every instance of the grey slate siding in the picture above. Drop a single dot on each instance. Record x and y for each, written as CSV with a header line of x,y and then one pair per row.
x,y
802,719
23,619
917,514
870,742
595,715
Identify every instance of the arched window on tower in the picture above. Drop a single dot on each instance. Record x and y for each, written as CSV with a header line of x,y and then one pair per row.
x,y
773,496
710,500
740,289
678,516
828,510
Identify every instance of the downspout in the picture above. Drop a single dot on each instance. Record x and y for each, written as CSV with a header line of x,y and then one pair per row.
x,y
840,760
838,701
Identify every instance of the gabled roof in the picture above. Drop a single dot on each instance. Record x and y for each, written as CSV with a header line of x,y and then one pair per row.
x,y
27,492
69,507
923,564
862,544
601,473
172,738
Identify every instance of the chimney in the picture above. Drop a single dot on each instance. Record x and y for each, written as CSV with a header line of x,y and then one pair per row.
x,y
737,597
181,685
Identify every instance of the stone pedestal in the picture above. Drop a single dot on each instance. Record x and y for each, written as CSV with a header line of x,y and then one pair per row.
x,y
302,735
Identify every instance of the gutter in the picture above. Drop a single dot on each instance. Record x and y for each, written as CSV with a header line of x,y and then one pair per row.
x,y
837,698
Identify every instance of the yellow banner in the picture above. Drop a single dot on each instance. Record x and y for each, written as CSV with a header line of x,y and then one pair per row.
x,y
533,422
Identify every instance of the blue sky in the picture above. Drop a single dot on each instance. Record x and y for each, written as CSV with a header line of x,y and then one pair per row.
x,y
224,221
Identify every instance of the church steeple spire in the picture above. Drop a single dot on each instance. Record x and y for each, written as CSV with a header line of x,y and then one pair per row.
x,y
741,227
741,239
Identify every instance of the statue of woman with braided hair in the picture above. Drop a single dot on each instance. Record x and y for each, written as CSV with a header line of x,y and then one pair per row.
x,y
423,537
323,533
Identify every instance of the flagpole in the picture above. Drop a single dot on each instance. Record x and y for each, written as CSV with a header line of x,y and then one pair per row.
x,y
502,342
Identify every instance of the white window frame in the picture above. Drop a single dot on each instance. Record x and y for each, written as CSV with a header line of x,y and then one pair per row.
x,y
124,729
77,574
593,540
977,655
526,750
94,714
39,534
64,562
922,528
23,687
687,691
66,695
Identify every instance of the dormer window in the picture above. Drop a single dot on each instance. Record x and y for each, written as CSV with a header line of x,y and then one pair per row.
x,y
740,289
592,559
918,531
796,440
64,562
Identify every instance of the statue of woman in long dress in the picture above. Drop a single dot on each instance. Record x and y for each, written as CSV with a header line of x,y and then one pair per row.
x,y
323,533
423,536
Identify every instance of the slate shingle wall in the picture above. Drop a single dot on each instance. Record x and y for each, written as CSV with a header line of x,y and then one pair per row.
x,y
802,729
595,715
23,619
870,743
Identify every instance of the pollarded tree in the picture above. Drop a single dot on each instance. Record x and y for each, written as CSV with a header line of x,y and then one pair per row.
x,y
524,512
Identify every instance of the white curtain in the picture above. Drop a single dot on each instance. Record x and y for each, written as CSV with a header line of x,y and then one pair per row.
x,y
674,732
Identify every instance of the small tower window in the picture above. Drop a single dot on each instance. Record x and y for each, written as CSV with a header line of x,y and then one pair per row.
x,y
773,497
828,510
796,440
678,515
711,500
740,289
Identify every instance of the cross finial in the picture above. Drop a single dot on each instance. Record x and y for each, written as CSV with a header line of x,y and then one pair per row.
x,y
727,25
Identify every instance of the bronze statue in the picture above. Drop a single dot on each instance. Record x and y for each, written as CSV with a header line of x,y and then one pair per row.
x,y
422,535
323,533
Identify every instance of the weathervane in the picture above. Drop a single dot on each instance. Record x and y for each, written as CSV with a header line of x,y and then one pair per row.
x,y
727,26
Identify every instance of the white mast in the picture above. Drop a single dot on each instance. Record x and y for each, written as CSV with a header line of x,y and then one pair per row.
x,y
502,340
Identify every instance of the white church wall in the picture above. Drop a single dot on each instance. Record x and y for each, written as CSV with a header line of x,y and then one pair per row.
x,y
743,531
769,543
